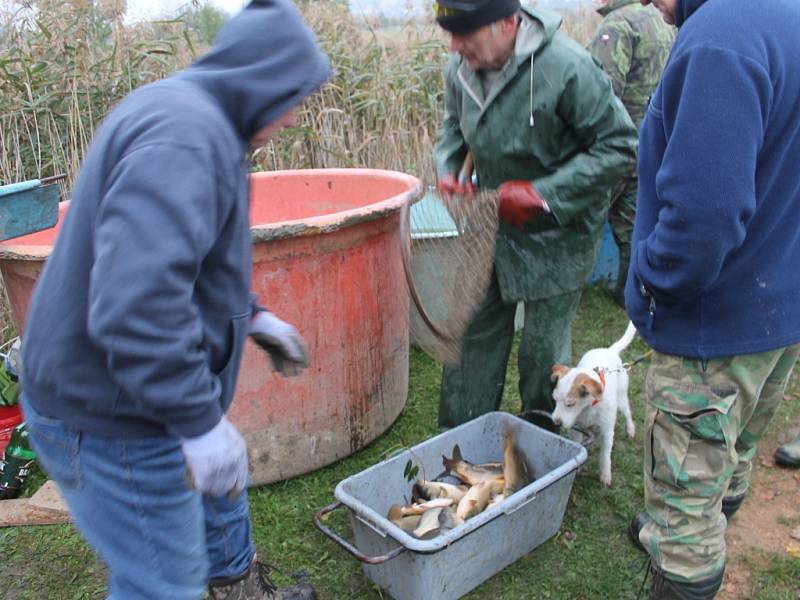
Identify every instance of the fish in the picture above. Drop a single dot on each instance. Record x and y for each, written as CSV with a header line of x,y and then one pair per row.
x,y
477,498
429,522
495,500
418,509
439,520
406,523
469,473
448,519
428,490
515,469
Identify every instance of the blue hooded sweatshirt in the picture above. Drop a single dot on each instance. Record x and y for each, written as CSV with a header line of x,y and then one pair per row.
x,y
138,322
716,243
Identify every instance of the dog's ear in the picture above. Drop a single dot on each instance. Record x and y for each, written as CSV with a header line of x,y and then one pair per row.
x,y
589,386
558,372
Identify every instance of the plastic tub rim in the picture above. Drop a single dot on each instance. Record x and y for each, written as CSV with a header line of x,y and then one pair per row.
x,y
263,232
334,221
384,527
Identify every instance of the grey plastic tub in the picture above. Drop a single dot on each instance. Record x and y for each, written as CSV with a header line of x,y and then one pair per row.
x,y
452,564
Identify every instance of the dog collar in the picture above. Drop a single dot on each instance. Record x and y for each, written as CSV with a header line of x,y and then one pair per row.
x,y
602,377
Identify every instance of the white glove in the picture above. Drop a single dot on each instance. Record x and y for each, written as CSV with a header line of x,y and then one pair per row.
x,y
217,460
281,341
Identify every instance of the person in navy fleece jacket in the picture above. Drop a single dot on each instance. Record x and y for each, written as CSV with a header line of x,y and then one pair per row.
x,y
135,332
713,283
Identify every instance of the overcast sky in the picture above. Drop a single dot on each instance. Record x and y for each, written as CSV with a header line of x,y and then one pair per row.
x,y
150,9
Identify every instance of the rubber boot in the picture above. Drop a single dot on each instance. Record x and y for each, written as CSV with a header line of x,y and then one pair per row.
x,y
668,589
541,419
617,292
639,520
255,584
731,504
788,455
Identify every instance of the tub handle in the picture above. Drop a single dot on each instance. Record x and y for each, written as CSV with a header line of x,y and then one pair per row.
x,y
370,560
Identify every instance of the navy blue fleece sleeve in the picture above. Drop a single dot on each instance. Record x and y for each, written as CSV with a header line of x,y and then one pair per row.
x,y
713,108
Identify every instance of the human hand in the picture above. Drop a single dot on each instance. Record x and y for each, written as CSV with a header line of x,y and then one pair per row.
x,y
217,460
520,203
448,186
281,341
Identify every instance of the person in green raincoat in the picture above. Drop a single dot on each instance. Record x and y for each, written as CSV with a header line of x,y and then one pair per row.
x,y
546,130
632,43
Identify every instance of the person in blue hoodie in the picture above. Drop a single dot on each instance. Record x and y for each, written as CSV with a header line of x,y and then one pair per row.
x,y
713,284
137,325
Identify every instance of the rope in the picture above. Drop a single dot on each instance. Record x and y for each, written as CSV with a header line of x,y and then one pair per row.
x,y
625,366
644,581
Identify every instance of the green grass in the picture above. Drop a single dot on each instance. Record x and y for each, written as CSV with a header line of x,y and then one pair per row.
x,y
590,557
778,580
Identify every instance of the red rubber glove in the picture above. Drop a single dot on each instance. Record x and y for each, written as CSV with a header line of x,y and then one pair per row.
x,y
448,186
520,203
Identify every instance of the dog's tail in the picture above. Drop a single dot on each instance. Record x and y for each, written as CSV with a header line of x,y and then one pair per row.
x,y
625,341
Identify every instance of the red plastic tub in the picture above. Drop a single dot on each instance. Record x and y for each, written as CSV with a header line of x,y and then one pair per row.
x,y
10,417
326,258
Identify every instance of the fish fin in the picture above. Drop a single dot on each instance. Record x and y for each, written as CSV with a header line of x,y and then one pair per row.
x,y
457,454
448,463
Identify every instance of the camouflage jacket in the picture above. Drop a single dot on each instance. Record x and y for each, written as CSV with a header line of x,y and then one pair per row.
x,y
633,44
562,128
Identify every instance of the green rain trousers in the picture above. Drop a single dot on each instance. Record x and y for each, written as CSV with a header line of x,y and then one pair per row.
x,y
703,423
475,387
621,216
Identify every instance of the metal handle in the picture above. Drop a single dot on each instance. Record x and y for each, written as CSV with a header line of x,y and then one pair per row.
x,y
370,560
465,174
52,179
588,437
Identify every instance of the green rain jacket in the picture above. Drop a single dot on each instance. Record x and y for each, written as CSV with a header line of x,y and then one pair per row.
x,y
564,129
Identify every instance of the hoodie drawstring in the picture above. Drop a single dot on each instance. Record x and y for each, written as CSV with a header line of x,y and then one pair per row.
x,y
532,122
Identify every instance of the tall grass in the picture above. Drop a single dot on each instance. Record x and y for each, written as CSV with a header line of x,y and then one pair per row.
x,y
381,107
64,64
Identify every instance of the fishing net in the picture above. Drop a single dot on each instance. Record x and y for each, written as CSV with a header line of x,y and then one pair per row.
x,y
448,256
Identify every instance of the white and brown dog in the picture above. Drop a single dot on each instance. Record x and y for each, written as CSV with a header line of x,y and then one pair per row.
x,y
589,394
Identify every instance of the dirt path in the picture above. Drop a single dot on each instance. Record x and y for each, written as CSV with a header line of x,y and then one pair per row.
x,y
768,521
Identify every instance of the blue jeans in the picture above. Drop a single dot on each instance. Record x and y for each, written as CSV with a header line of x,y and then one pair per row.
x,y
130,501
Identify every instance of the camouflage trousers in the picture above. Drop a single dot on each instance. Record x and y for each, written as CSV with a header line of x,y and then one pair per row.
x,y
621,216
475,386
703,423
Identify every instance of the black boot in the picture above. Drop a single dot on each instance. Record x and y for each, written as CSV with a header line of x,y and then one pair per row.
x,y
668,589
788,455
731,505
542,419
639,520
617,293
255,584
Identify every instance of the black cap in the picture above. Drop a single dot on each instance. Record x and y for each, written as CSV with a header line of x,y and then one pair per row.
x,y
466,16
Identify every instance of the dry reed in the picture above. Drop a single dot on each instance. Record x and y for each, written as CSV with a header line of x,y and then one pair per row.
x,y
64,64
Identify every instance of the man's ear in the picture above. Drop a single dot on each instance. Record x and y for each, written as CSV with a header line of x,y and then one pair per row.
x,y
558,371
